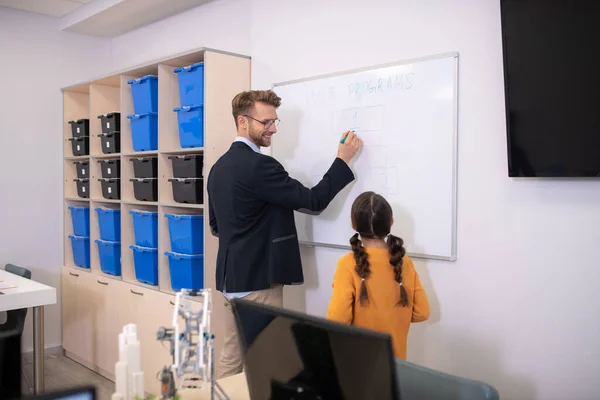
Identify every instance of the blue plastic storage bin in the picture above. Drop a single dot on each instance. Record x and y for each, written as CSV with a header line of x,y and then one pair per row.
x,y
186,233
81,220
144,131
110,256
145,261
109,221
145,94
187,270
145,228
191,84
191,125
81,250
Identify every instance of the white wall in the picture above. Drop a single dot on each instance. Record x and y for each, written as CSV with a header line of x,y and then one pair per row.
x,y
37,60
220,24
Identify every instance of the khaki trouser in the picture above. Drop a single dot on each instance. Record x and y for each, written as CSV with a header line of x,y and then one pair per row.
x,y
230,362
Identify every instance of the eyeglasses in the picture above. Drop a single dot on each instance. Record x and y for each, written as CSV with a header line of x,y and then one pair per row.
x,y
267,123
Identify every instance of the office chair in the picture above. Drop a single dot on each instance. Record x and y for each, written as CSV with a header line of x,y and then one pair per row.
x,y
418,382
13,269
15,324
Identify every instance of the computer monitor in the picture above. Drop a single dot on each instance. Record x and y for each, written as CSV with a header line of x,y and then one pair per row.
x,y
292,355
79,393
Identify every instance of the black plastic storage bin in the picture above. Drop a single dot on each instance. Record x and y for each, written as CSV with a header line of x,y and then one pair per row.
x,y
80,127
80,146
188,190
111,122
145,189
188,166
111,169
111,142
83,188
146,167
83,169
111,188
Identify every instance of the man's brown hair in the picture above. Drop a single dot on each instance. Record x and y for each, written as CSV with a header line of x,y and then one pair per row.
x,y
244,102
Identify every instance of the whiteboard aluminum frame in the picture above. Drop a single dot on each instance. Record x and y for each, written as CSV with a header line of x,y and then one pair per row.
x,y
454,227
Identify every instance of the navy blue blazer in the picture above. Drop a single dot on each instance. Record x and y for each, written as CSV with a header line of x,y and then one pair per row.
x,y
251,200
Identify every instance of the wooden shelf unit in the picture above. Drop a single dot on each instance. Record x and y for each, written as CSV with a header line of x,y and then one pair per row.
x,y
95,305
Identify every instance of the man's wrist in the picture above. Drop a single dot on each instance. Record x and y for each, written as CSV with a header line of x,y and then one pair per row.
x,y
344,159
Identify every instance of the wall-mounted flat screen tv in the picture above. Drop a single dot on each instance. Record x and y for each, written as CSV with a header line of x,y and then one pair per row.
x,y
551,52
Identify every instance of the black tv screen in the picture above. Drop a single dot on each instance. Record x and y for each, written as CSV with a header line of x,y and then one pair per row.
x,y
551,54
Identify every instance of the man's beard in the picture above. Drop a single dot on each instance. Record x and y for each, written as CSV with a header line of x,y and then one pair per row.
x,y
259,139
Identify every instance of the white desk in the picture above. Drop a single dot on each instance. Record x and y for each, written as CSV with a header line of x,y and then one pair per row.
x,y
25,293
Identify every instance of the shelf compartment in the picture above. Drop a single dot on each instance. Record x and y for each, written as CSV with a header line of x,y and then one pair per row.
x,y
127,108
104,100
164,243
69,231
96,184
127,174
168,127
70,179
128,239
76,106
95,233
165,187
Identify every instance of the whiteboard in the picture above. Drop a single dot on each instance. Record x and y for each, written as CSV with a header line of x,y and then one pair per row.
x,y
406,114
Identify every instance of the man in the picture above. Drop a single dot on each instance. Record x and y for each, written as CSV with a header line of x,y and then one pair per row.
x,y
252,201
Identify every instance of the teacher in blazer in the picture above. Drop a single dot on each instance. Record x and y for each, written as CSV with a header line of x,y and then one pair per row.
x,y
252,200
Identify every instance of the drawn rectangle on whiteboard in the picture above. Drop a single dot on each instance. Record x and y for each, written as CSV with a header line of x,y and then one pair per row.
x,y
359,119
385,180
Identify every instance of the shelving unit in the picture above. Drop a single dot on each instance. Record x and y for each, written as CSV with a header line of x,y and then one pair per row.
x,y
90,294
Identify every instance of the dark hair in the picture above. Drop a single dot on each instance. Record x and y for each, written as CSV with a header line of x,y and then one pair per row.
x,y
244,102
372,218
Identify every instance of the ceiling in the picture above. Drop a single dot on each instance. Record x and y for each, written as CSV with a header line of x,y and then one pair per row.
x,y
106,18
52,8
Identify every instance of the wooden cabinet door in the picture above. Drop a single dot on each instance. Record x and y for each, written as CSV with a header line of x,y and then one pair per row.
x,y
70,279
149,310
108,322
78,313
156,354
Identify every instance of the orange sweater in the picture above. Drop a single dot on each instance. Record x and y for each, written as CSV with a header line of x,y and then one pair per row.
x,y
381,313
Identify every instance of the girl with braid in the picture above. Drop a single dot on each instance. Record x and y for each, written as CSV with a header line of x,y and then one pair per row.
x,y
376,286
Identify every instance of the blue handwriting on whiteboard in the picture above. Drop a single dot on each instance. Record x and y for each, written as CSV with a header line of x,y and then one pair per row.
x,y
381,85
